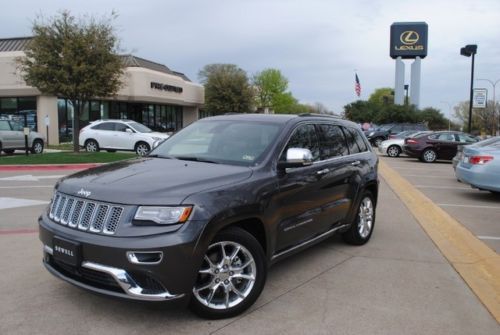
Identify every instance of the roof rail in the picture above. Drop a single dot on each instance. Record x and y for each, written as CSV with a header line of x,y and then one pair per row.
x,y
320,115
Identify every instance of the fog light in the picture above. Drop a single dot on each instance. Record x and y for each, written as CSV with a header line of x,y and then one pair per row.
x,y
144,257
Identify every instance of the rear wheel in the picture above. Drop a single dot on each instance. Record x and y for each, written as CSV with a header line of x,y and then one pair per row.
x,y
37,147
231,276
362,228
142,148
429,156
393,151
91,146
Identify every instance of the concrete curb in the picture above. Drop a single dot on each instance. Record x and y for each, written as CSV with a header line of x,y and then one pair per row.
x,y
474,261
49,167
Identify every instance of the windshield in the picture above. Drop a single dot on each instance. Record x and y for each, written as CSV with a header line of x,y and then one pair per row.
x,y
230,142
139,127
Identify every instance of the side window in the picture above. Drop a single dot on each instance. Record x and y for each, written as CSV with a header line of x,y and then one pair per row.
x,y
463,138
16,126
121,127
304,137
351,141
333,143
446,137
4,125
359,140
104,126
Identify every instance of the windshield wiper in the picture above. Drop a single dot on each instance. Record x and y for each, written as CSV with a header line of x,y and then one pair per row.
x,y
195,159
161,156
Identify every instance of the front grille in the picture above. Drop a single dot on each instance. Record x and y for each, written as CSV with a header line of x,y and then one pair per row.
x,y
85,215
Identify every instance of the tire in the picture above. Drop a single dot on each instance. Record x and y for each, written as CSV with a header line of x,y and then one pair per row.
x,y
37,147
362,228
142,148
429,156
92,146
393,151
9,151
214,293
377,141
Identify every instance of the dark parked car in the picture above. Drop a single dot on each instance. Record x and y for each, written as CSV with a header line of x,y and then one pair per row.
x,y
385,131
204,215
438,145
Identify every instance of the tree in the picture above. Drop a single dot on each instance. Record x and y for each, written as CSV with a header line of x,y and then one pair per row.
x,y
227,89
73,58
285,104
483,119
271,90
382,96
433,118
361,111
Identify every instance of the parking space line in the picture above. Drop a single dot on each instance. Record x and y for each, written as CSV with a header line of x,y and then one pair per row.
x,y
28,186
488,238
474,261
443,187
423,176
469,206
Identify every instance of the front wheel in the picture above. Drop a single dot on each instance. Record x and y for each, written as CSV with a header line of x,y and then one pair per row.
x,y
37,147
142,148
231,276
91,146
362,228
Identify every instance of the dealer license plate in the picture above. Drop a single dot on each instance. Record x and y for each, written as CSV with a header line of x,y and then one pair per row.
x,y
66,251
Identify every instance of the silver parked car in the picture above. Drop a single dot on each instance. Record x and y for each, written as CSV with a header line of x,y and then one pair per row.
x,y
12,138
480,167
393,147
460,149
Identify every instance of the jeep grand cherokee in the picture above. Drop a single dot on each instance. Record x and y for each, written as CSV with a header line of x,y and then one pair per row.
x,y
203,216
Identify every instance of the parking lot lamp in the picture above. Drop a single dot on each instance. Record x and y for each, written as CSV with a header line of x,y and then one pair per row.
x,y
467,51
494,84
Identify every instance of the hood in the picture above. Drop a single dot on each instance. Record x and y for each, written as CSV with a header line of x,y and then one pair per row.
x,y
157,134
151,181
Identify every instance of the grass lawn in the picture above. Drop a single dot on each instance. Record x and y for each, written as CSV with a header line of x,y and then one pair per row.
x,y
66,158
62,146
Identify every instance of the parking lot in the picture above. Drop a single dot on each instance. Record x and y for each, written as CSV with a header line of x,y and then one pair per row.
x,y
399,283
479,211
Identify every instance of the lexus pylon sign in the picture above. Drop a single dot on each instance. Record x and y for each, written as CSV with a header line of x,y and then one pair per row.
x,y
408,39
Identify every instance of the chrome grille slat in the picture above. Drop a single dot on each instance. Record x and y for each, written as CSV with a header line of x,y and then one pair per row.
x,y
85,215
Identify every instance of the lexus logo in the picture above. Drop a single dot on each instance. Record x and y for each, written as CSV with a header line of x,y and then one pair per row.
x,y
409,37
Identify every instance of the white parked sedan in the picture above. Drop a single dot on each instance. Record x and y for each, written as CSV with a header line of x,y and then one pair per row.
x,y
113,135
394,147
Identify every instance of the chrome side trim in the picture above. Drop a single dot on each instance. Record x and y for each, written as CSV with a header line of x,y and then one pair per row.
x,y
48,250
128,284
312,240
132,258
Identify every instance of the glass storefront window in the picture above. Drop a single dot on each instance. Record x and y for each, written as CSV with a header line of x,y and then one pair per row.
x,y
20,109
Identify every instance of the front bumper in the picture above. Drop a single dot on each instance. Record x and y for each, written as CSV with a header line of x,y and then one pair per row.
x,y
106,268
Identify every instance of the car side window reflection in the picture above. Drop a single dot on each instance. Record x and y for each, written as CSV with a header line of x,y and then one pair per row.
x,y
333,143
305,137
4,125
121,127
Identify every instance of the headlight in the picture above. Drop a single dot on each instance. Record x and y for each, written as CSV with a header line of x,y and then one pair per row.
x,y
163,215
371,133
156,138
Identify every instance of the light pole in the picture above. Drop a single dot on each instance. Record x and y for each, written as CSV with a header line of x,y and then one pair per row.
x,y
449,111
467,51
494,84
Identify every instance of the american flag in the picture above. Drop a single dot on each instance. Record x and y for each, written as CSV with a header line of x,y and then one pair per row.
x,y
357,86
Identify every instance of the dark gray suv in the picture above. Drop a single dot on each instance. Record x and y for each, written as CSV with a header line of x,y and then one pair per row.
x,y
210,209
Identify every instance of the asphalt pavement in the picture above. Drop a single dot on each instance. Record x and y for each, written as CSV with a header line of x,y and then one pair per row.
x,y
399,283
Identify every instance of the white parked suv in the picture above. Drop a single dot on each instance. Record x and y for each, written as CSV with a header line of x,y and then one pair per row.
x,y
112,135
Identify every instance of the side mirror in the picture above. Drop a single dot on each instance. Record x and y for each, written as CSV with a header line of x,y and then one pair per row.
x,y
296,157
128,130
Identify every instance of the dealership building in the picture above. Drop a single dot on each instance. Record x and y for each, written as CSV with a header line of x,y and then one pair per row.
x,y
152,94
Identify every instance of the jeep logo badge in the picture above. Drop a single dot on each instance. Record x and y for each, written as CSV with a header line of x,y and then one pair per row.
x,y
84,193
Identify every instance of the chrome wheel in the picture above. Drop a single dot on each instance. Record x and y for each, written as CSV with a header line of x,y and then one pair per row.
x,y
429,156
142,149
227,276
91,146
393,151
37,147
365,221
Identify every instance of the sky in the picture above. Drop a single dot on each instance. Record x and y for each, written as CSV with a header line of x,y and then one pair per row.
x,y
317,44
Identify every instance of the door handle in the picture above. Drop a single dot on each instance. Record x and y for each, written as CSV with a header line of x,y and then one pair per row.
x,y
324,171
356,163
